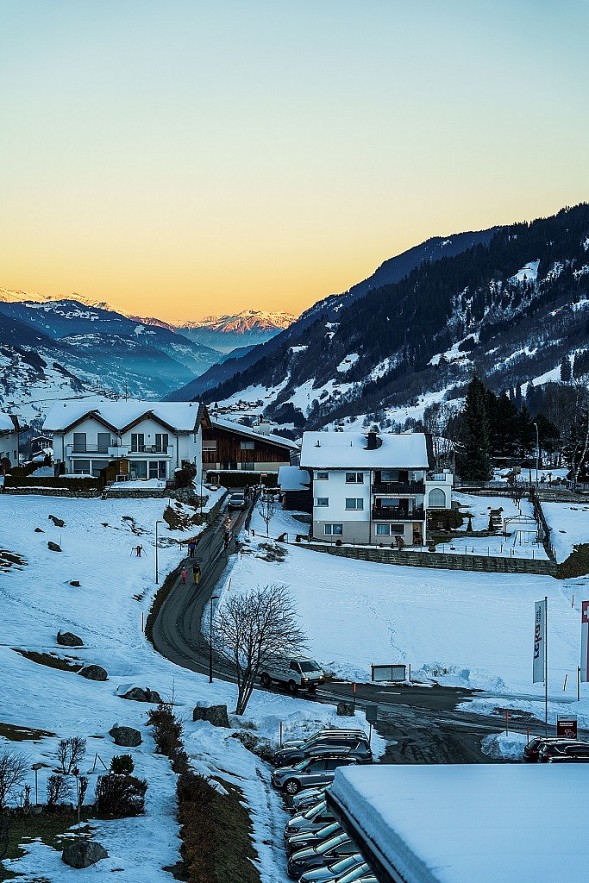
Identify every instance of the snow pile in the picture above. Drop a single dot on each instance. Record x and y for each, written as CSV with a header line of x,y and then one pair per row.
x,y
569,526
504,746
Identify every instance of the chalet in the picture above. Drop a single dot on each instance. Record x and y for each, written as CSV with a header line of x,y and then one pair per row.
x,y
10,429
148,439
233,448
373,488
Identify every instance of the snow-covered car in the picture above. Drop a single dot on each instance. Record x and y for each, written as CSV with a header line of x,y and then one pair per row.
x,y
331,873
318,856
311,820
312,838
309,773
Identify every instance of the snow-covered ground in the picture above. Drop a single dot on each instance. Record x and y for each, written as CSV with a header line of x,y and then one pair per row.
x,y
569,526
116,587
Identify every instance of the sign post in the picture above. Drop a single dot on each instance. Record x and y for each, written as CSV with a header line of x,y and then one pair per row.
x,y
540,664
371,717
566,727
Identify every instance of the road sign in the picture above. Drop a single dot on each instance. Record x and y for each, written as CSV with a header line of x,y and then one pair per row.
x,y
372,713
566,727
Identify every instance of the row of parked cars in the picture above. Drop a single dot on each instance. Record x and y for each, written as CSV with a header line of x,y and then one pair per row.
x,y
317,847
556,749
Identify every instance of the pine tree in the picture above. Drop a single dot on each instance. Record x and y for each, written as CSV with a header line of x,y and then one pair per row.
x,y
565,369
476,460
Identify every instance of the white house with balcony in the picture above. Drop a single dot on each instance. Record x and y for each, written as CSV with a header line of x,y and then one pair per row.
x,y
373,488
152,438
9,434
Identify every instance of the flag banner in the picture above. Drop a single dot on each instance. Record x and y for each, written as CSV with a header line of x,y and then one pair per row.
x,y
539,643
584,641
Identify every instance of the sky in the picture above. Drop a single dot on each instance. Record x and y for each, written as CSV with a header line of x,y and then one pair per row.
x,y
186,158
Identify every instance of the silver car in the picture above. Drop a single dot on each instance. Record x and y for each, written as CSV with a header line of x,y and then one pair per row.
x,y
338,743
324,854
309,773
311,820
304,800
330,873
312,838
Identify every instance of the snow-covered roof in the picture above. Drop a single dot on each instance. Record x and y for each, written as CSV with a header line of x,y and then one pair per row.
x,y
182,416
291,478
250,432
463,822
343,450
6,424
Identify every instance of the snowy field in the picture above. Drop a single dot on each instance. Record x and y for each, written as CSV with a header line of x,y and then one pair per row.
x,y
569,526
116,587
459,629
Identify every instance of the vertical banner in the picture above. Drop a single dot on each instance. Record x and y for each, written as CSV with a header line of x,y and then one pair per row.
x,y
539,643
584,641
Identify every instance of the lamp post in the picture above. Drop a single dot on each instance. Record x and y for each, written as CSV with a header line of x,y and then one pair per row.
x,y
537,451
36,767
156,569
211,599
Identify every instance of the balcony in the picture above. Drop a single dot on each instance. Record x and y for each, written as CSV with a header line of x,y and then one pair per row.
x,y
398,488
396,513
115,452
151,449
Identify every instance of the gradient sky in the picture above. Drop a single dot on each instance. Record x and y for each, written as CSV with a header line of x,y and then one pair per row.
x,y
186,157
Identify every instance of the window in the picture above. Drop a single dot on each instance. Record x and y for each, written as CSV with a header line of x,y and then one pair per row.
x,y
333,530
209,445
397,528
161,442
321,476
354,477
103,442
82,467
247,445
157,469
138,469
383,530
390,502
322,501
80,442
389,475
437,499
354,503
249,465
137,442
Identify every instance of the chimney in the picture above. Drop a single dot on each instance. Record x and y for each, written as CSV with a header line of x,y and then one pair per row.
x,y
372,440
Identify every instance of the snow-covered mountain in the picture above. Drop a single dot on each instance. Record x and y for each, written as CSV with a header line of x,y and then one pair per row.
x,y
512,304
246,329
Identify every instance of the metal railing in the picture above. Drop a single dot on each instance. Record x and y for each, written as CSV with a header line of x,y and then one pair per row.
x,y
394,513
394,488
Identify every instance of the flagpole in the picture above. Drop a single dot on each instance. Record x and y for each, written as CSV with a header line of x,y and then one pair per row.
x,y
546,665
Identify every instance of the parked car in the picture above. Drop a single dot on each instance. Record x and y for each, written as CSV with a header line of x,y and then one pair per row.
x,y
357,745
328,731
309,773
292,673
236,500
330,873
323,854
306,799
312,838
363,874
532,749
569,759
563,749
311,820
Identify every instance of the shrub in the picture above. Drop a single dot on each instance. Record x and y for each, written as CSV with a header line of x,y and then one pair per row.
x,y
58,790
167,729
122,765
120,796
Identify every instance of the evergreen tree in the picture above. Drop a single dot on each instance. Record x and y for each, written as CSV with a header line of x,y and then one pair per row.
x,y
476,459
565,369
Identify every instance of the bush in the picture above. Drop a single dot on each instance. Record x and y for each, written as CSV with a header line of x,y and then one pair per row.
x,y
122,765
58,790
120,796
167,729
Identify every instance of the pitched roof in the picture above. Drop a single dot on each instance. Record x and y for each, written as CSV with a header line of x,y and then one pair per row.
x,y
250,432
178,416
347,450
7,423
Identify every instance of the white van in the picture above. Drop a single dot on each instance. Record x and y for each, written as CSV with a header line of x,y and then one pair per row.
x,y
293,673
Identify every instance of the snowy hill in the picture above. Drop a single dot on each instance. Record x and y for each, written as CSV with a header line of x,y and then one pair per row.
x,y
245,329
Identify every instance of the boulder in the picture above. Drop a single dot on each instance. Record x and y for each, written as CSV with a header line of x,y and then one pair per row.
x,y
214,714
94,673
75,582
39,530
57,521
345,709
139,695
125,736
83,853
54,547
68,639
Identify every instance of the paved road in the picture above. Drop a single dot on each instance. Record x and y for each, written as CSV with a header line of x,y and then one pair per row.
x,y
421,724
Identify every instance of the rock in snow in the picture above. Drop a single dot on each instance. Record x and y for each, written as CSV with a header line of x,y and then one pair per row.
x,y
83,854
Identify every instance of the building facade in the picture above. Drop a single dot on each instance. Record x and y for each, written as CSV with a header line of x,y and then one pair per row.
x,y
9,440
372,489
152,439
230,447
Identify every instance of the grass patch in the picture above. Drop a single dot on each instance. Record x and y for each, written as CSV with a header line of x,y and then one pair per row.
x,y
48,827
51,660
577,564
22,734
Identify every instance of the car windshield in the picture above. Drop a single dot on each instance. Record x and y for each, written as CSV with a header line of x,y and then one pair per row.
x,y
315,810
329,844
354,874
344,864
309,665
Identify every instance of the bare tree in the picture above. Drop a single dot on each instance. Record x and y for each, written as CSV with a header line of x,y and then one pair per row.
x,y
58,790
13,769
70,753
267,509
253,627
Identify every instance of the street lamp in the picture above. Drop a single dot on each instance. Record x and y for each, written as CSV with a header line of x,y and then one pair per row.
x,y
537,451
36,767
211,599
156,570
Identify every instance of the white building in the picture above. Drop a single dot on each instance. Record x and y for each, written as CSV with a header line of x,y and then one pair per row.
x,y
155,438
9,432
373,488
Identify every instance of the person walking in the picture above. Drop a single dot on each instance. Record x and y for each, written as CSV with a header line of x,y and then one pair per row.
x,y
196,573
138,551
184,575
191,548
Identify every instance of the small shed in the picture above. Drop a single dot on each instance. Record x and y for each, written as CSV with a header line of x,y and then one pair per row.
x,y
295,489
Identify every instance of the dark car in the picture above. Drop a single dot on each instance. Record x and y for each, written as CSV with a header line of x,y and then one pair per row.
x,y
532,749
313,819
345,743
312,838
563,749
325,854
309,773
569,759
